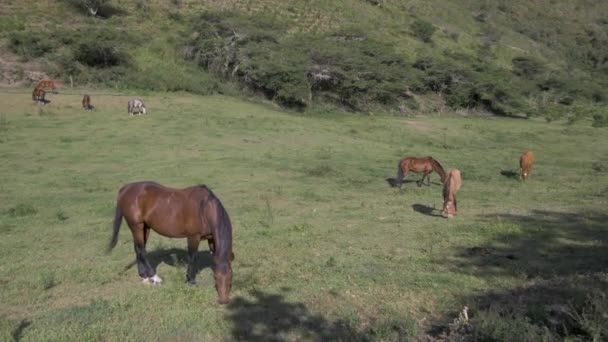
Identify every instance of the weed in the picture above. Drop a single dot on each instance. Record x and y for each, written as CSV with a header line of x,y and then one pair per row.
x,y
47,280
21,210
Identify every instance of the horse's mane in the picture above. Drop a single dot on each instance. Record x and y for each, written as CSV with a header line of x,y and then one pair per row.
x,y
438,168
223,242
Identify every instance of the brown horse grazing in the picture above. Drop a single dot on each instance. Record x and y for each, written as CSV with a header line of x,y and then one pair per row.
x,y
193,213
419,165
38,96
525,165
46,84
86,103
450,188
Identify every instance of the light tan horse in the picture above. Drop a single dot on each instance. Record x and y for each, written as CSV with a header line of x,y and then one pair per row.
x,y
450,188
525,165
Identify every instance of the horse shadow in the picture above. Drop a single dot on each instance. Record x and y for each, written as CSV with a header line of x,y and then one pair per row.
x,y
176,257
510,174
426,210
392,182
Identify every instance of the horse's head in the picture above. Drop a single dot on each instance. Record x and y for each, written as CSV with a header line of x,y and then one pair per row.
x,y
222,274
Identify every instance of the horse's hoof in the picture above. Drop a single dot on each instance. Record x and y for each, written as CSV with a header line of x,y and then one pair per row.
x,y
156,280
191,283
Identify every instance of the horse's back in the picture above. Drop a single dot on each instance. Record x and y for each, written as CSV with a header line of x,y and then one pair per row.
x,y
455,179
526,159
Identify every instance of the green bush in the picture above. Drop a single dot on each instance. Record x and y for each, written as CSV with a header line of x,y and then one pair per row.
x,y
527,67
600,120
343,67
423,30
30,43
99,55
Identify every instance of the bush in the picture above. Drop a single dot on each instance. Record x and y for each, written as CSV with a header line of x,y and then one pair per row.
x,y
423,30
29,43
99,55
343,67
600,120
527,67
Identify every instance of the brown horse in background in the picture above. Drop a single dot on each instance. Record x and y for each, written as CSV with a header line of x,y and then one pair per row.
x,y
193,213
450,188
86,103
46,84
419,165
525,165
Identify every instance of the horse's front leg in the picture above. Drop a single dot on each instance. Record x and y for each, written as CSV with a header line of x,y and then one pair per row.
x,y
193,243
145,270
421,181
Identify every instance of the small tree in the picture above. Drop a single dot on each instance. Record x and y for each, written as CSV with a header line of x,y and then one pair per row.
x,y
423,30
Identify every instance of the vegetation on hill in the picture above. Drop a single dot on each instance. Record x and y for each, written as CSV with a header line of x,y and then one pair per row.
x,y
512,58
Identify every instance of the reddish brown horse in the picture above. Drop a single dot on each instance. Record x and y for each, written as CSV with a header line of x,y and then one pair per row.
x,y
450,188
86,103
38,96
419,165
46,84
525,165
193,213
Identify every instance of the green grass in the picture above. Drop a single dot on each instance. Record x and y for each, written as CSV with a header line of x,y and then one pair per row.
x,y
325,249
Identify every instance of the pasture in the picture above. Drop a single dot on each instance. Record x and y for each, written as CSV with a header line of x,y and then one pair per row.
x,y
325,249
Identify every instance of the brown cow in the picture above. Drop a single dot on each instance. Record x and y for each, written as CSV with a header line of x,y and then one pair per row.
x,y
86,103
450,188
525,165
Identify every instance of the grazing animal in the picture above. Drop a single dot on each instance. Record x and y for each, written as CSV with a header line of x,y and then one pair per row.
x,y
38,96
47,84
193,213
525,165
419,165
450,188
86,103
136,104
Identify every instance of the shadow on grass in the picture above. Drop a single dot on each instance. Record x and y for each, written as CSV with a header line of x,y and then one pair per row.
x,y
18,332
269,317
559,261
426,210
392,182
510,174
175,257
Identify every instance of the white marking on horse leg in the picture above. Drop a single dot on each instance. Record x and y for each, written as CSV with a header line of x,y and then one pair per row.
x,y
156,280
145,280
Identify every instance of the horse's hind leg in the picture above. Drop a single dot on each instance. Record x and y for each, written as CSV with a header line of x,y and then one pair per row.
x,y
193,243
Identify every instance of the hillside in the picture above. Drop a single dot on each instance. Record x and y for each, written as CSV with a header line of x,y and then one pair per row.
x,y
514,58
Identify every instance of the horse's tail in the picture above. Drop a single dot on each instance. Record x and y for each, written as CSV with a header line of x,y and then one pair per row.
x,y
222,229
399,177
439,169
116,228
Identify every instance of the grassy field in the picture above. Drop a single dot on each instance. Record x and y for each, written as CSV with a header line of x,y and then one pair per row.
x,y
325,249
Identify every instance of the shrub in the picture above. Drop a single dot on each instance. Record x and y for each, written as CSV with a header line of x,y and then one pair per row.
x,y
600,120
423,30
99,55
527,67
29,43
